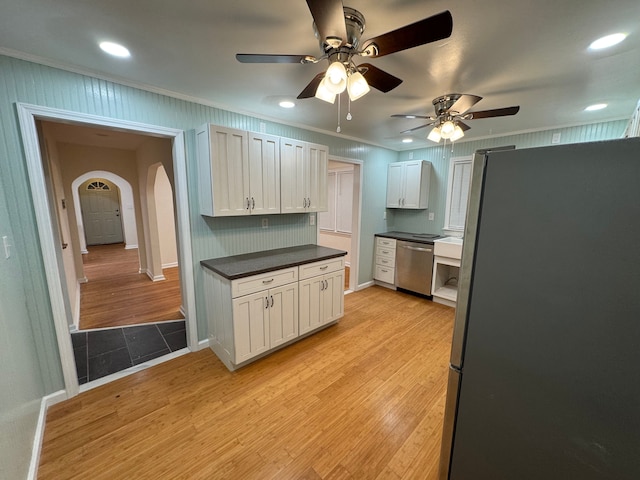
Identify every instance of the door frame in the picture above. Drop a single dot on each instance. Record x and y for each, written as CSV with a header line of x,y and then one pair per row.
x,y
356,221
27,116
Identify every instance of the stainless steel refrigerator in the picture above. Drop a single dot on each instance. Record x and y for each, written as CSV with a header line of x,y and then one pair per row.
x,y
545,363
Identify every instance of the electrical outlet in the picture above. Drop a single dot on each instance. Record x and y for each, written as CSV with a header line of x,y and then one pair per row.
x,y
265,223
312,219
432,216
410,155
384,215
555,138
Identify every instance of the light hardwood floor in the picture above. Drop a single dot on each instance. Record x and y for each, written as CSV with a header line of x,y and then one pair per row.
x,y
117,295
363,399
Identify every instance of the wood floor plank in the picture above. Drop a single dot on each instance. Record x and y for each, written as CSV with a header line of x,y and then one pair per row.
x,y
116,294
362,399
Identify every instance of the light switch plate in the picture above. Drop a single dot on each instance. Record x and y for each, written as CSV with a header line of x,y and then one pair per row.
x,y
432,216
312,219
7,247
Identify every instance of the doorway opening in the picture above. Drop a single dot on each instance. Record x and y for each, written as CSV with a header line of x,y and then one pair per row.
x,y
339,227
49,137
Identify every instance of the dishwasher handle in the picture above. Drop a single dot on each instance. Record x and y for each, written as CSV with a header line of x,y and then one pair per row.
x,y
418,249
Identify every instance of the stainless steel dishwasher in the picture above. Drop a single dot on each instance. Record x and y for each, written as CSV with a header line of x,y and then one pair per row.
x,y
414,266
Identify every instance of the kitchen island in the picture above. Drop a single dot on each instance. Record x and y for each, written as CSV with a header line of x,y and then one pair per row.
x,y
262,301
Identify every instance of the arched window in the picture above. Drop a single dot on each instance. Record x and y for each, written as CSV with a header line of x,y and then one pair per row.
x,y
98,185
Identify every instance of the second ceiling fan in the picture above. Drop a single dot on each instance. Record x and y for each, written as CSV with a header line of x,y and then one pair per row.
x,y
339,30
451,109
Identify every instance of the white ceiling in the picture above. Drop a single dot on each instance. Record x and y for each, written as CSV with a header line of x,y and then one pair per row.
x,y
530,53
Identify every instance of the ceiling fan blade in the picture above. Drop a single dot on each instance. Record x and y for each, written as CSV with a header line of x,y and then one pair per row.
x,y
379,79
310,90
498,112
463,126
417,128
328,15
266,58
464,103
413,116
428,30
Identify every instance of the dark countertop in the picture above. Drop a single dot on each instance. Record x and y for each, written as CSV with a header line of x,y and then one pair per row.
x,y
239,266
411,237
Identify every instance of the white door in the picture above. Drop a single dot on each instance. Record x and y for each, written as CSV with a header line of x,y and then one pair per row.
x,y
316,178
292,191
229,171
283,313
251,325
412,184
264,173
100,203
310,304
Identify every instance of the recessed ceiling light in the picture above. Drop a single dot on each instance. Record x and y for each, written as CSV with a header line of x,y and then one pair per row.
x,y
595,106
287,104
115,49
608,41
407,140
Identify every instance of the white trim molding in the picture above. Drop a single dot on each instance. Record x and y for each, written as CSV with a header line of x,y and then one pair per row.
x,y
38,437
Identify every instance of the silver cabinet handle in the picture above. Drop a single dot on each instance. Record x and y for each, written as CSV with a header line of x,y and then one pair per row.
x,y
247,203
308,202
271,300
304,203
324,268
266,302
418,249
326,282
383,270
386,252
267,281
253,203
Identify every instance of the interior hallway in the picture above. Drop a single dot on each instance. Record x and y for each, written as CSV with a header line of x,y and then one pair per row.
x,y
117,295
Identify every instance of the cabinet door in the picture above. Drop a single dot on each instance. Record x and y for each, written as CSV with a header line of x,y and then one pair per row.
x,y
416,184
283,314
264,173
395,177
310,304
316,178
251,325
333,296
229,171
292,184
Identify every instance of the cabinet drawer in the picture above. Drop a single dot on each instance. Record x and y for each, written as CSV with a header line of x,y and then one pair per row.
x,y
385,242
318,268
263,281
385,274
385,261
386,252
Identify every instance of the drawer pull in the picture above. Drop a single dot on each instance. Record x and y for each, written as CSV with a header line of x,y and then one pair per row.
x,y
267,281
324,268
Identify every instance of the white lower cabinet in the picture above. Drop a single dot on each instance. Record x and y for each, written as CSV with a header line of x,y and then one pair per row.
x,y
264,320
251,316
321,300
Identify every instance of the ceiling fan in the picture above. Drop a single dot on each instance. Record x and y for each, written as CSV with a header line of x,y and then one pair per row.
x,y
451,109
339,28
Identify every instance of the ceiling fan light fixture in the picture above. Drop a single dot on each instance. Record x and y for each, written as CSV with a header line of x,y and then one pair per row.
x,y
447,129
335,79
457,134
323,93
357,86
434,135
115,49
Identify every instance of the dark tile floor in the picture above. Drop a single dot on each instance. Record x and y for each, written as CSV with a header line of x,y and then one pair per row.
x,y
102,352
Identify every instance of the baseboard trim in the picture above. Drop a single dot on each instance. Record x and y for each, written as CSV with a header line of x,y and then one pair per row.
x,y
362,286
170,265
155,278
130,247
202,344
45,403
76,310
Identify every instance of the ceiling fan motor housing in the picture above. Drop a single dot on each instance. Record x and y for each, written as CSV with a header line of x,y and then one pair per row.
x,y
355,24
445,102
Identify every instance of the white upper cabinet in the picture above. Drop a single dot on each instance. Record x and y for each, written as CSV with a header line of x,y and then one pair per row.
x,y
223,171
303,171
245,173
264,173
408,184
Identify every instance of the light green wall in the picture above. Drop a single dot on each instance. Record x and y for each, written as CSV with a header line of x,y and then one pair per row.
x,y
439,155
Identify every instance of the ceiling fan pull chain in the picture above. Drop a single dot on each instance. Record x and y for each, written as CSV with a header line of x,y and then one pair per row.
x,y
349,117
339,98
